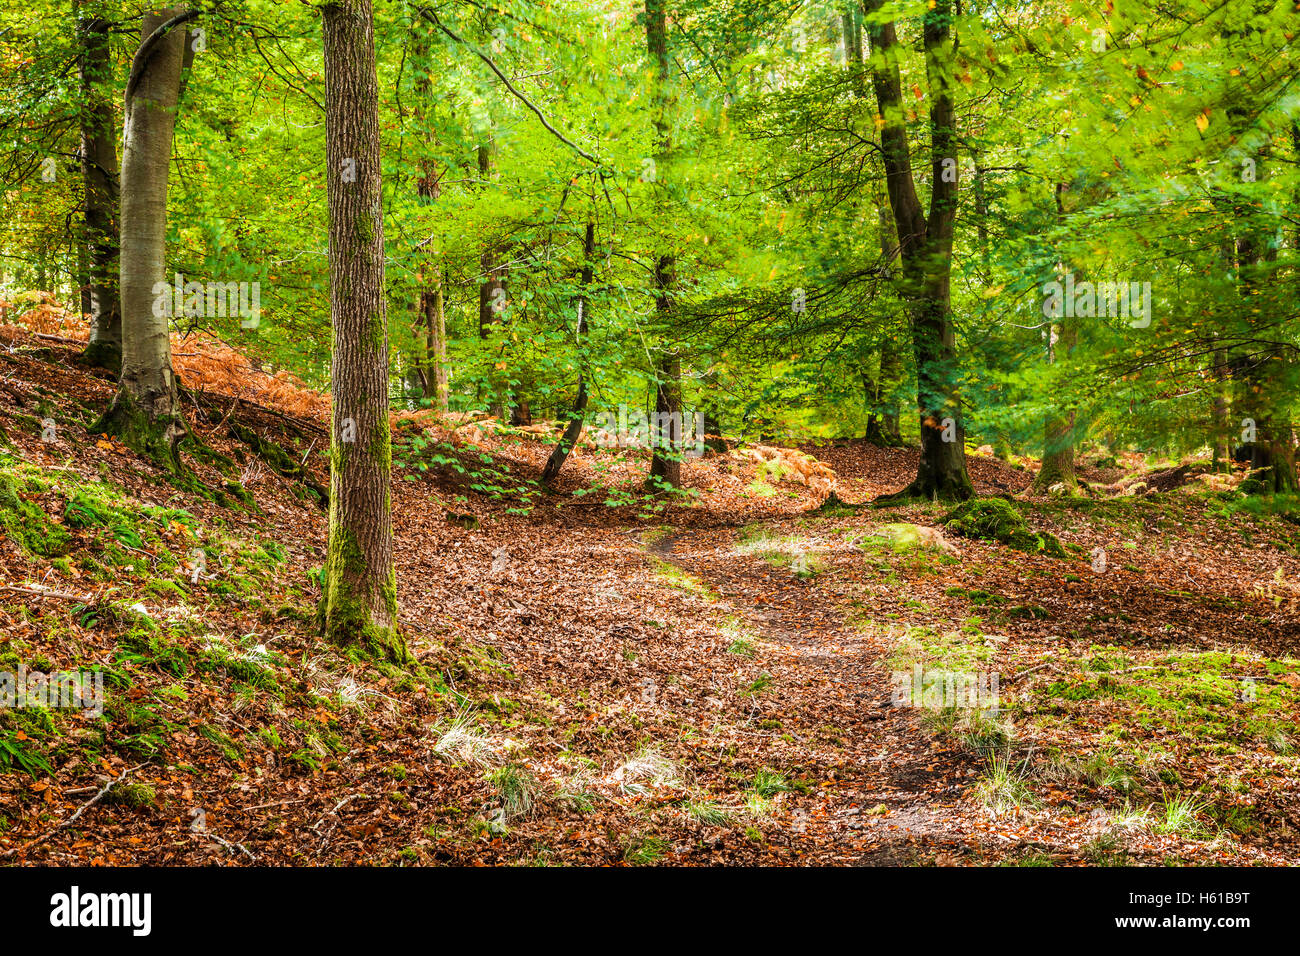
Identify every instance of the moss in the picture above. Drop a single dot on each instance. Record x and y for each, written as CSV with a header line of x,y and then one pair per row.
x,y
344,614
145,645
165,589
133,795
241,669
230,749
995,519
283,463
102,354
900,538
157,439
35,722
27,523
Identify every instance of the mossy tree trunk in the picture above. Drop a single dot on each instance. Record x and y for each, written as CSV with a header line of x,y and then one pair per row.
x,y
99,177
146,412
359,603
1058,452
925,244
881,379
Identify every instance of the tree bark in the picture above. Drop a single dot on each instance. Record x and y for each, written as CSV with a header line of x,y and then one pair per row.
x,y
1219,412
1271,455
99,176
146,412
925,247
431,329
665,460
492,290
1058,427
359,600
883,428
433,371
573,430
666,433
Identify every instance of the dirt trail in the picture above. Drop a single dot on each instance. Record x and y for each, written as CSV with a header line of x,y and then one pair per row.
x,y
896,797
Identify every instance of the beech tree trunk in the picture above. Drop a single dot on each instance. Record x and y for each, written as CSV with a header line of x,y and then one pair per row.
x,y
1058,427
146,412
925,246
665,460
573,430
359,603
99,176
1271,455
1261,364
1219,412
883,428
431,331
492,290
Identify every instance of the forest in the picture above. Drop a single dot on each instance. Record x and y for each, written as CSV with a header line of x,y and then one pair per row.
x,y
649,433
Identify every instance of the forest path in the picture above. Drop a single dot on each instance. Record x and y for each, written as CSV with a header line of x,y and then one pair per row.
x,y
887,795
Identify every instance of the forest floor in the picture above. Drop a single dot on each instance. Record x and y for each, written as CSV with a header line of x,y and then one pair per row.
x,y
606,678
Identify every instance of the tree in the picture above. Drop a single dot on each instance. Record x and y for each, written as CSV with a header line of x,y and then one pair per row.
x,y
432,322
882,383
146,412
99,175
1058,426
573,429
925,242
359,601
666,432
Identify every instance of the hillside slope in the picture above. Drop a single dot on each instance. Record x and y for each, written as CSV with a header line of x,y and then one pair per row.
x,y
606,677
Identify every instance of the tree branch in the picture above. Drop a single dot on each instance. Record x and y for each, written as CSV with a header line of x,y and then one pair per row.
x,y
433,18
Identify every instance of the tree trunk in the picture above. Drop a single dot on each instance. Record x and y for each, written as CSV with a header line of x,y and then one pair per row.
x,y
492,291
146,412
359,603
573,430
1271,455
1058,454
666,431
925,247
1058,427
433,371
432,323
1219,412
665,460
1263,363
883,428
99,175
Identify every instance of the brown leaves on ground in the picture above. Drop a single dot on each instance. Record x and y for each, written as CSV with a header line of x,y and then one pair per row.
x,y
616,679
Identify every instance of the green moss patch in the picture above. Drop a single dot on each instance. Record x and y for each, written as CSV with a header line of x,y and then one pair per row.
x,y
995,519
